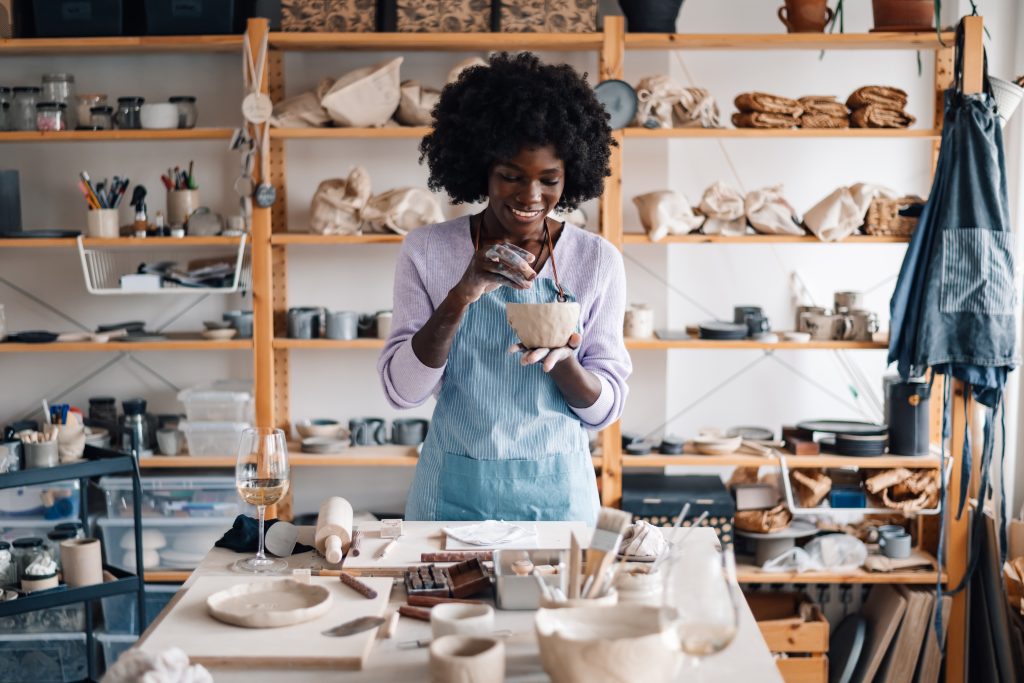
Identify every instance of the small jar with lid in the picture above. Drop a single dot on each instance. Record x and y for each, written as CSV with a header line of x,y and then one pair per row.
x,y
23,110
76,527
5,94
54,539
8,567
83,109
51,116
101,118
5,115
60,87
129,112
27,551
188,114
103,409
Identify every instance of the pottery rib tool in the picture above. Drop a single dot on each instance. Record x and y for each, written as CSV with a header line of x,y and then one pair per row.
x,y
604,545
575,560
357,585
350,628
386,548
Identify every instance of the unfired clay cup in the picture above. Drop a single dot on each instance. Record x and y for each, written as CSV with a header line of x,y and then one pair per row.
x,y
82,561
543,325
465,659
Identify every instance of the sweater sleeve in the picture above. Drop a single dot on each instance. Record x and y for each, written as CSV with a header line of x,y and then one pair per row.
x,y
407,381
603,350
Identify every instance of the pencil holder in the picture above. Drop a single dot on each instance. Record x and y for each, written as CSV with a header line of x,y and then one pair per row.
x,y
102,223
180,205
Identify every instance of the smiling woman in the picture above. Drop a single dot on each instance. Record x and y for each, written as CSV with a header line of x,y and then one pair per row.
x,y
508,438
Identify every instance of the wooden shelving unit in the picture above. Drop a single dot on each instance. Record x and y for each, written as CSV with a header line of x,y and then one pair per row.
x,y
746,344
386,133
174,342
445,42
309,239
784,133
120,45
751,574
926,40
697,238
116,135
692,459
94,242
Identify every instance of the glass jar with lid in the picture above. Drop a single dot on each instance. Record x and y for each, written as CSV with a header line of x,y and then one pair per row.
x,y
101,118
129,112
55,538
23,109
5,115
51,116
83,108
8,567
5,94
60,87
103,409
187,112
28,551
76,527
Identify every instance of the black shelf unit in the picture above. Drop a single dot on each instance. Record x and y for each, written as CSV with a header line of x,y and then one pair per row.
x,y
98,462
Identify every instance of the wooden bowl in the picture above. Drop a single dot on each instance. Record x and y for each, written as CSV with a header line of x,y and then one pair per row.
x,y
544,325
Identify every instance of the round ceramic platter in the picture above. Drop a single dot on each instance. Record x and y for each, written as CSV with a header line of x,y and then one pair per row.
x,y
797,529
752,433
619,100
269,604
845,647
844,427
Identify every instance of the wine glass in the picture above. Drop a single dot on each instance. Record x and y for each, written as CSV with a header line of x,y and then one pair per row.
x,y
701,603
261,476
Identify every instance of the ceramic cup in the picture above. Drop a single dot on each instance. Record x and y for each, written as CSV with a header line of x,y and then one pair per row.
x,y
367,431
383,324
409,431
159,116
81,561
169,441
843,327
304,323
30,584
801,311
890,530
865,324
822,326
848,301
457,619
180,205
43,454
103,223
805,16
464,659
367,325
639,322
342,325
895,546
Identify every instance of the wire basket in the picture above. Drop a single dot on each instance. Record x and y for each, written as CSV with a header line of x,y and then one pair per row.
x,y
103,268
884,217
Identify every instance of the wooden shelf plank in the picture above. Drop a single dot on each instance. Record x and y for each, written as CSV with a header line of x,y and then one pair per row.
x,y
167,575
791,133
390,132
697,238
925,40
116,135
746,344
308,239
174,342
746,573
446,42
793,462
120,44
69,242
328,344
186,461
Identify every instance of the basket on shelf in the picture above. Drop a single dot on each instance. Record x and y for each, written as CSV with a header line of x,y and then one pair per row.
x,y
884,218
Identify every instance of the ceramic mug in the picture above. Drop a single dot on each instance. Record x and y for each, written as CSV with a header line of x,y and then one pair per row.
x,y
383,324
895,546
241,321
824,327
458,619
639,322
805,16
169,441
465,659
409,431
865,324
801,311
367,431
367,325
304,323
342,325
849,301
843,327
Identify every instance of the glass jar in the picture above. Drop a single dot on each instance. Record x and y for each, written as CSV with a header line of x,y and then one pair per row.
x,y
187,112
60,87
8,567
129,112
28,550
76,527
101,118
103,409
51,116
83,109
54,539
5,94
23,111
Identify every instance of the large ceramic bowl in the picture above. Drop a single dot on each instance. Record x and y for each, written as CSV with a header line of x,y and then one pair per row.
x,y
621,644
543,325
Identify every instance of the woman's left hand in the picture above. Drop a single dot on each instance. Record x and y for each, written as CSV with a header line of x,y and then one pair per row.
x,y
550,357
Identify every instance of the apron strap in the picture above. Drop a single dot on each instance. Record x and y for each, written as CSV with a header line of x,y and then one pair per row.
x,y
546,238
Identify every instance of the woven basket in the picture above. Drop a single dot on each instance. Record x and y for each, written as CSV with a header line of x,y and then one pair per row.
x,y
884,217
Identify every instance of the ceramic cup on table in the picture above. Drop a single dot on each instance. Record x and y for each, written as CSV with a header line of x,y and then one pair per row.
x,y
169,441
849,301
467,659
102,223
367,431
895,545
865,324
409,431
805,16
342,325
304,322
458,619
383,324
81,561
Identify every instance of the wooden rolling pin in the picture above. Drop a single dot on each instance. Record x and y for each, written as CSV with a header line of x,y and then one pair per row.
x,y
414,612
458,556
334,529
431,600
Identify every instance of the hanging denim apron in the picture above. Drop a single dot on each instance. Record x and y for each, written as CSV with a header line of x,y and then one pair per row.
x,y
503,443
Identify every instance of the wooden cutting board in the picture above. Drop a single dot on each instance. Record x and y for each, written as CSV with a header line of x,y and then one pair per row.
x,y
209,642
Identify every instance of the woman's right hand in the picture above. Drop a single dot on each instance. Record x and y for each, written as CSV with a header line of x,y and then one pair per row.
x,y
493,266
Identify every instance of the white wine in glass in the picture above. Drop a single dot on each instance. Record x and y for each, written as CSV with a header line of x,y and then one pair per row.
x,y
261,476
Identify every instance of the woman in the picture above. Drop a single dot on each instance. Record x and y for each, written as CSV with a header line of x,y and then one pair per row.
x,y
508,438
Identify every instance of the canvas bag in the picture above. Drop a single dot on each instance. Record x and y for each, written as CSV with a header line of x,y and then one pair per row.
x,y
666,213
416,104
303,110
723,206
841,213
338,204
401,210
770,213
365,98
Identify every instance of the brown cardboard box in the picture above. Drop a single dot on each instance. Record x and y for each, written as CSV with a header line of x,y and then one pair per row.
x,y
447,16
341,16
549,16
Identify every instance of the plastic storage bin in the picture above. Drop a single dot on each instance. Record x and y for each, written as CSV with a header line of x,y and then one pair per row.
x,y
43,658
174,497
218,402
166,543
213,438
59,501
114,645
62,619
77,18
190,17
120,615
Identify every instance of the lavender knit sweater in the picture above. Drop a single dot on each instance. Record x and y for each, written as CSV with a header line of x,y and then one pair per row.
x,y
432,261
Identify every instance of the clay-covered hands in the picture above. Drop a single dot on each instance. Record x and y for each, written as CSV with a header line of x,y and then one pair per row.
x,y
494,266
549,357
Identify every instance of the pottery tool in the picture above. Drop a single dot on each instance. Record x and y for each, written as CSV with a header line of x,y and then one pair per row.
x,y
457,556
419,613
353,547
431,600
385,549
390,627
357,585
334,529
350,628
604,545
575,560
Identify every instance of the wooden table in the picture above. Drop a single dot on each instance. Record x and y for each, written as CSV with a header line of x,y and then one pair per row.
x,y
746,659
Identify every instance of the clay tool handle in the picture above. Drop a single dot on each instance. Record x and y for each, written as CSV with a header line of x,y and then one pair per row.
x,y
414,612
386,548
357,538
431,600
458,556
357,585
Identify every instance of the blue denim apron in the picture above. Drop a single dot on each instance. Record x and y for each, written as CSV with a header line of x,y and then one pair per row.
x,y
503,443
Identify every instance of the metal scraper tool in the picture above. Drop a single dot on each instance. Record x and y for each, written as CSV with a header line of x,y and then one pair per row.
x,y
355,626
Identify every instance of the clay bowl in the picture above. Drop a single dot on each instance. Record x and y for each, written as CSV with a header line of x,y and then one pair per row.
x,y
707,444
622,643
543,325
321,428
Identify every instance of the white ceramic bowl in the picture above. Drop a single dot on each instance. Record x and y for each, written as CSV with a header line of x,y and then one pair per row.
x,y
159,116
321,428
621,643
543,325
717,445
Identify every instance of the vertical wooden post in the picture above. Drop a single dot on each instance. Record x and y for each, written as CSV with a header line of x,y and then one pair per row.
x,y
943,81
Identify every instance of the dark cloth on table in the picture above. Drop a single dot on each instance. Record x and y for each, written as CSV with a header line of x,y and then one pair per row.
x,y
244,536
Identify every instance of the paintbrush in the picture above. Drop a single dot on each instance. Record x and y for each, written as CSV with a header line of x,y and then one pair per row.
x,y
604,545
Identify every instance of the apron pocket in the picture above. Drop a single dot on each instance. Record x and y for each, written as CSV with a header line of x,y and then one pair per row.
x,y
977,271
512,490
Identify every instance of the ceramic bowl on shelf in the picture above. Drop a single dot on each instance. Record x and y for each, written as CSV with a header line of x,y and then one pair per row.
x,y
217,324
322,445
220,335
715,444
321,428
801,337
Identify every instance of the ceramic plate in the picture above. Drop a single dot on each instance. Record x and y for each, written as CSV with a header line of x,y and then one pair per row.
x,y
323,445
717,445
619,100
797,529
269,604
844,427
752,433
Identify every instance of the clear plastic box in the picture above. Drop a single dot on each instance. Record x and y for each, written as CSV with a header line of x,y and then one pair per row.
x,y
174,497
168,543
61,619
114,645
225,401
213,438
50,657
120,615
59,501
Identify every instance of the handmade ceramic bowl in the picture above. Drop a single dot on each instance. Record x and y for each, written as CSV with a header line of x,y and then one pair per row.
x,y
801,337
323,445
220,335
217,324
611,597
543,325
321,427
159,116
708,444
621,643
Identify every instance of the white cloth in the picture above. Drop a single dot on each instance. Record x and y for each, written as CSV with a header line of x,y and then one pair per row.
x,y
488,533
666,213
643,542
401,210
842,212
723,205
770,213
169,666
365,98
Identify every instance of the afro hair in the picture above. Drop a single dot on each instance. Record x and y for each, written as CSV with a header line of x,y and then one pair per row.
x,y
490,113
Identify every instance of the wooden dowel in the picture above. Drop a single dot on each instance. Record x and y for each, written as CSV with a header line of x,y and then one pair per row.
x,y
357,585
414,612
431,600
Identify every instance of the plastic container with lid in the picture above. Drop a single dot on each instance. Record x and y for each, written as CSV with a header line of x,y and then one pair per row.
x,y
51,116
63,619
182,497
59,501
213,438
187,112
23,110
120,615
8,566
225,401
60,87
5,115
28,550
129,112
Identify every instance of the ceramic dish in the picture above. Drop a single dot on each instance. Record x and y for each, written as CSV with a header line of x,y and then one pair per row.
x,y
543,325
717,445
751,433
322,445
801,337
322,428
722,330
618,99
220,335
269,604
847,427
217,324
639,448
